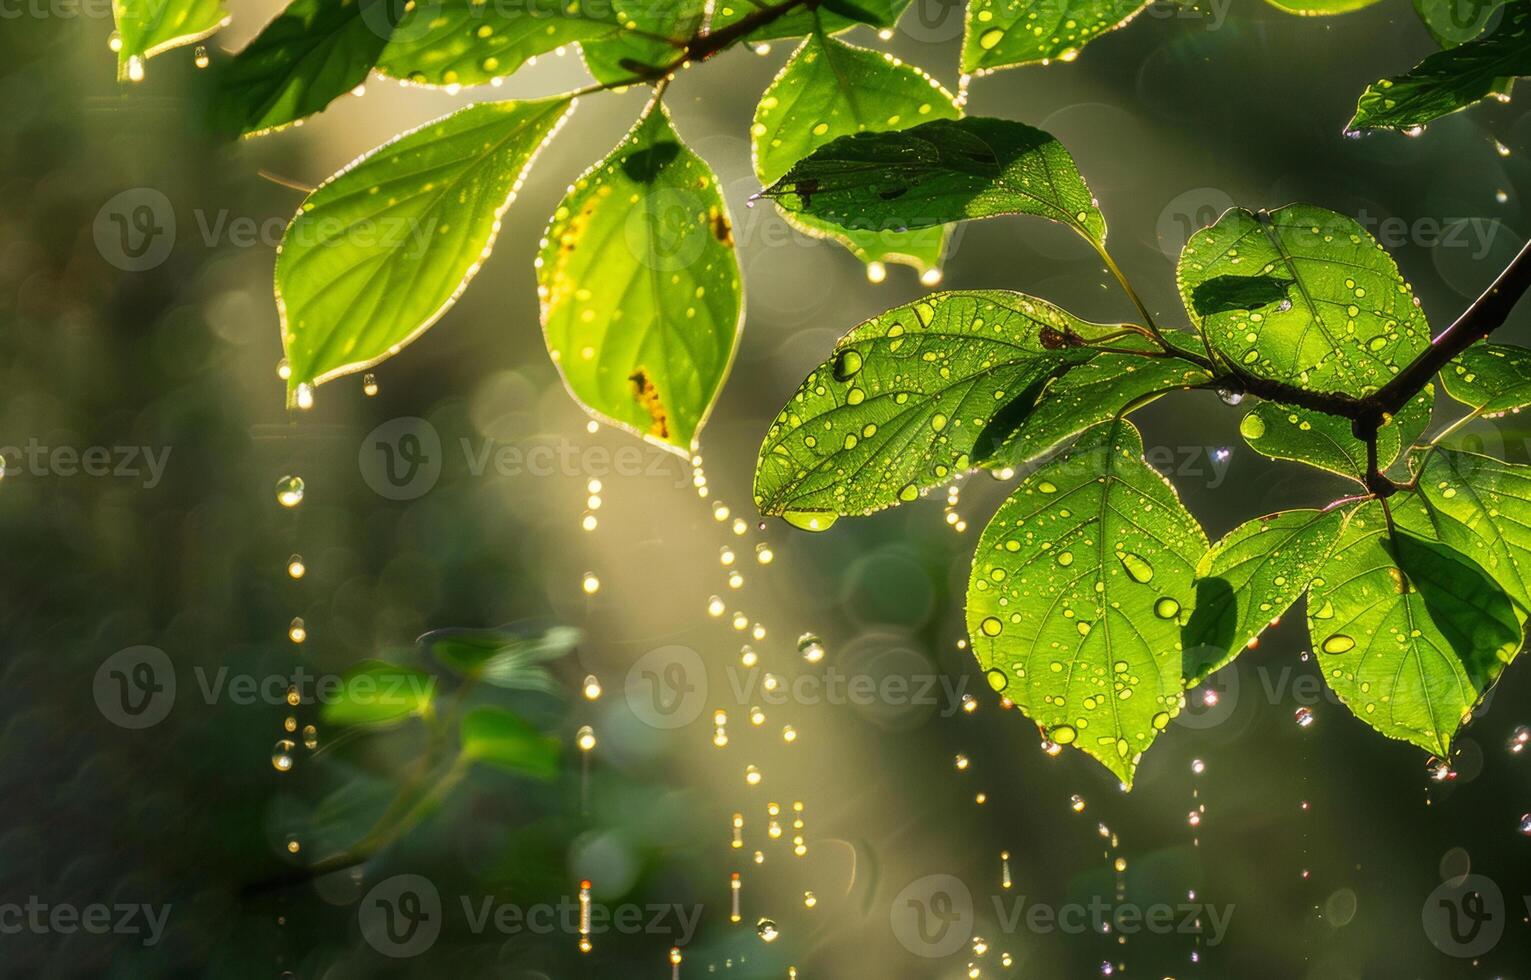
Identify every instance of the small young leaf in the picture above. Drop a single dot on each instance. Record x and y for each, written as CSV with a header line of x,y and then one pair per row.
x,y
1320,8
1481,506
1490,378
146,28
505,741
502,657
1452,79
642,298
1080,584
470,42
652,36
1346,321
1251,577
910,399
830,89
314,52
1409,632
382,249
1327,441
375,693
1006,33
938,172
1089,394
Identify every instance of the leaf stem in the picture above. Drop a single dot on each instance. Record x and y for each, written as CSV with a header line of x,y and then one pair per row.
x,y
1132,294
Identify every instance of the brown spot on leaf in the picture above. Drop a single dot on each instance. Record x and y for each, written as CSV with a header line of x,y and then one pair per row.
x,y
647,395
721,229
1054,339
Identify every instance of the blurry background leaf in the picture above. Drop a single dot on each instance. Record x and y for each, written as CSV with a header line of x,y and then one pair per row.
x,y
502,657
375,692
503,740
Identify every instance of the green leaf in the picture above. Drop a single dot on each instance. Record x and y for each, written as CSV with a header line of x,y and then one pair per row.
x,y
1481,506
1336,316
1007,33
912,398
830,89
314,52
1327,441
146,28
503,657
1320,8
831,17
1091,393
938,172
503,740
1490,378
652,36
1078,590
1449,80
1409,632
375,693
1452,22
1251,577
470,42
382,249
642,298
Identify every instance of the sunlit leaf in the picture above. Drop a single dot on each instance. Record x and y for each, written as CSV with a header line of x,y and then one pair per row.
x,y
470,42
1453,22
832,16
1491,378
1251,577
503,657
1091,393
1452,79
146,28
912,398
382,249
938,172
1320,8
505,741
1079,587
830,89
652,35
1409,632
314,52
1006,33
1327,441
1339,318
1481,506
375,693
641,292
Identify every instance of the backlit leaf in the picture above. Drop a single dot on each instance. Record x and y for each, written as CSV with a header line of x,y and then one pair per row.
x,y
1409,632
830,89
938,172
1452,79
1491,378
1481,506
1079,587
1006,33
831,17
1453,22
912,398
641,292
505,741
382,249
375,693
506,657
314,52
1338,317
1251,577
146,28
1320,8
652,35
470,42
1327,441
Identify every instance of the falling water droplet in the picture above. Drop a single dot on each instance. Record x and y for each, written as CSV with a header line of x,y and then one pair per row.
x,y
295,566
281,755
590,584
1303,716
766,930
810,647
1230,396
592,687
289,491
296,631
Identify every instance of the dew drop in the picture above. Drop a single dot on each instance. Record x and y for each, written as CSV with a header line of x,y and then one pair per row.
x,y
1338,643
1137,566
810,520
1167,608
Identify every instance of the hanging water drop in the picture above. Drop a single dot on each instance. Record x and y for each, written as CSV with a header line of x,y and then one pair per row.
x,y
369,384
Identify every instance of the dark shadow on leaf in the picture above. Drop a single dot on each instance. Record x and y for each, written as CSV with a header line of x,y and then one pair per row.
x,y
1469,608
1012,416
1206,637
1227,293
644,166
